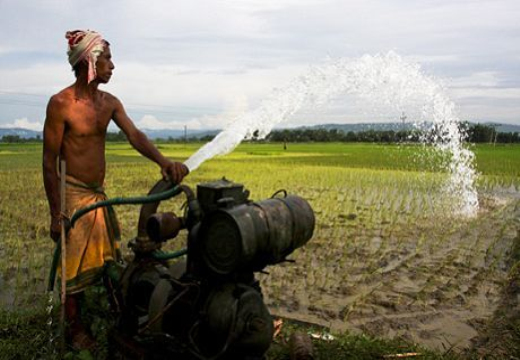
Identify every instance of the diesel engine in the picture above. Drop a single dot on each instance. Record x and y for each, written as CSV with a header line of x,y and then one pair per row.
x,y
206,304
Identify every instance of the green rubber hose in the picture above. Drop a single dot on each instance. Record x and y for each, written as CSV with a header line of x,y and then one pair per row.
x,y
139,200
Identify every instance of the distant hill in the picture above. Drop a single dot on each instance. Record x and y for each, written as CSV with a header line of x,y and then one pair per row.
x,y
359,127
23,133
363,127
509,128
399,126
152,134
179,134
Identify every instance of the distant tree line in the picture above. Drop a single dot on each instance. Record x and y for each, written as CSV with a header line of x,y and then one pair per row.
x,y
333,135
476,133
19,139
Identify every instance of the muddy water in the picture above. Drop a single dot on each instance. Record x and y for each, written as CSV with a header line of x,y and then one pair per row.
x,y
431,283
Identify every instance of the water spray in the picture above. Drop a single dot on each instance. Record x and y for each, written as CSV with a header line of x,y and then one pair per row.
x,y
381,81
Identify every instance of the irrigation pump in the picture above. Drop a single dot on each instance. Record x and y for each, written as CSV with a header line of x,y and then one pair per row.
x,y
208,305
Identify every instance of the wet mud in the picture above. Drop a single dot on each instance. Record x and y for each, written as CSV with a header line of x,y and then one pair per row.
x,y
439,282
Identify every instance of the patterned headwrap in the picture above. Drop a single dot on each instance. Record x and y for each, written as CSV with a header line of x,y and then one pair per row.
x,y
85,45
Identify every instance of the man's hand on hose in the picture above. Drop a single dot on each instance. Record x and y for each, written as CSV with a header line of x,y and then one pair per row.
x,y
174,171
55,228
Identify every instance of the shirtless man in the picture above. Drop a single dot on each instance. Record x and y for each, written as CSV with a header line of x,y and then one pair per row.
x,y
75,129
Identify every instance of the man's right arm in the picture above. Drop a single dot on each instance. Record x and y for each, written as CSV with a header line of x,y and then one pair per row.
x,y
52,141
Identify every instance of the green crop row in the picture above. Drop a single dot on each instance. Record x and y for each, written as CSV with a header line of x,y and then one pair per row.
x,y
385,243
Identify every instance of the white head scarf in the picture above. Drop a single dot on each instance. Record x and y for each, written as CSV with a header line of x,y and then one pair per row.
x,y
85,45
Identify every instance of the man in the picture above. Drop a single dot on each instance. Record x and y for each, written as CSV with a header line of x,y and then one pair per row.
x,y
75,130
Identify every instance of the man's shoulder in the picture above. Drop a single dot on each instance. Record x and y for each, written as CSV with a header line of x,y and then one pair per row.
x,y
108,96
62,98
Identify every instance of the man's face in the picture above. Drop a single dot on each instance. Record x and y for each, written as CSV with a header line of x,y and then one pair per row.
x,y
104,66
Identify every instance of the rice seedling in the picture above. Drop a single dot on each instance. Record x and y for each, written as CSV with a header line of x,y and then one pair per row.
x,y
383,230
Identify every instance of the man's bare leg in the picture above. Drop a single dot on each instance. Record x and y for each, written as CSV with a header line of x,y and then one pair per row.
x,y
77,334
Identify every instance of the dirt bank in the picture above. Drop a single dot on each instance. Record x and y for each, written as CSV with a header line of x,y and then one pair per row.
x,y
500,335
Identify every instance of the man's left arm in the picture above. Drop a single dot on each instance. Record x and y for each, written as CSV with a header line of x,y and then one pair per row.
x,y
175,171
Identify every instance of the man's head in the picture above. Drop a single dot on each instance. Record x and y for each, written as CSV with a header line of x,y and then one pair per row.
x,y
104,66
84,49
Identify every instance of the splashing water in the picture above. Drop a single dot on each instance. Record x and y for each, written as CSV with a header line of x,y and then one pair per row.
x,y
380,80
51,344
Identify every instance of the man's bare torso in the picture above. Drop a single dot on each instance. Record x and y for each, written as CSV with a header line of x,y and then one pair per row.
x,y
86,122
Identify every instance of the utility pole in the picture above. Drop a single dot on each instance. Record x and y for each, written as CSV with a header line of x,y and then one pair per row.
x,y
185,134
403,119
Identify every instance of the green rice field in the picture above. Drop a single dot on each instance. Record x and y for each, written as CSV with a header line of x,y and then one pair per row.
x,y
387,259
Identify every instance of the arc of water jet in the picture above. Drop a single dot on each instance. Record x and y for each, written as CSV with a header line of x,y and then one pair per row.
x,y
380,79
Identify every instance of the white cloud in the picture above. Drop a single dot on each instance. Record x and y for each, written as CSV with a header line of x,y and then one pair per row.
x,y
421,58
150,122
179,91
234,107
24,124
477,79
489,93
4,50
181,61
37,79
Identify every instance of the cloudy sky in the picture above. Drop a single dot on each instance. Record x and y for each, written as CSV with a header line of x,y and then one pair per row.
x,y
200,63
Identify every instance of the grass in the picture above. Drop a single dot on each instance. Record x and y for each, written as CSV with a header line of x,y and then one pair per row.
x,y
385,243
24,335
27,334
349,346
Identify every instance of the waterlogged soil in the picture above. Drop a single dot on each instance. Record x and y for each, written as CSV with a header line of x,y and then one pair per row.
x,y
436,282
